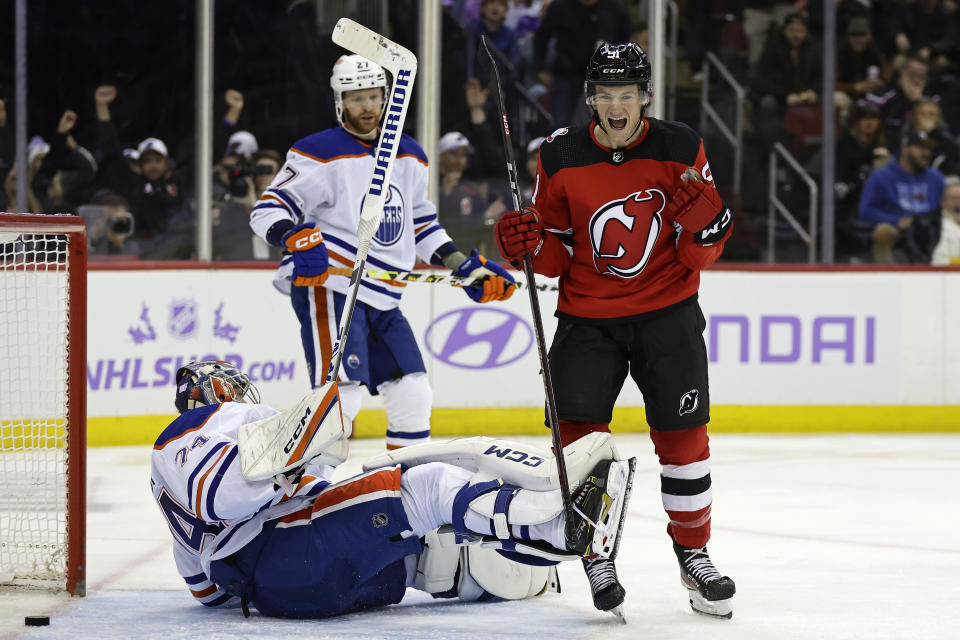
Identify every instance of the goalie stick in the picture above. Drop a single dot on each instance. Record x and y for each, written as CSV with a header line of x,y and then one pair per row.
x,y
402,65
534,302
430,277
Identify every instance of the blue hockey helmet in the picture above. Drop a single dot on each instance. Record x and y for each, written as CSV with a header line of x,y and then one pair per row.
x,y
212,382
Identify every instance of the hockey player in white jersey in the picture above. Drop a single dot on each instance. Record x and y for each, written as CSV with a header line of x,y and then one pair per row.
x,y
312,548
320,188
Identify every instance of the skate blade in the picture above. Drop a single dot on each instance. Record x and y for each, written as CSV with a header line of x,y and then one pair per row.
x,y
618,612
713,608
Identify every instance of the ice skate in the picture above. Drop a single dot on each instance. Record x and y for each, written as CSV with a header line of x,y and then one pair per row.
x,y
710,593
601,503
608,593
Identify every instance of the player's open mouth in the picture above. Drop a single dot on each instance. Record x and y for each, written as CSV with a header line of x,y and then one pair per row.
x,y
617,123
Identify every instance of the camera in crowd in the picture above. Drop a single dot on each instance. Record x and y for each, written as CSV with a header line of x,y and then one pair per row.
x,y
241,171
121,223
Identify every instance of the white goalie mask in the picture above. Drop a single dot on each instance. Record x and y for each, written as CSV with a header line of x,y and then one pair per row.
x,y
351,72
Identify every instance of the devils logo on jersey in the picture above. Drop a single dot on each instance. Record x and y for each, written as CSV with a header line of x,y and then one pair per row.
x,y
623,232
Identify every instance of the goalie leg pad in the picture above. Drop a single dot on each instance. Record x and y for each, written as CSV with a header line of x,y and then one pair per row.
x,y
516,463
438,562
407,401
503,577
481,571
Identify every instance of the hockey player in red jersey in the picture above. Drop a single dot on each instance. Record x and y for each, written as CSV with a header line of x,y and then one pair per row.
x,y
625,213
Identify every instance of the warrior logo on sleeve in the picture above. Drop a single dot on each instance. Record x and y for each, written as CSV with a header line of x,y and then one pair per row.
x,y
623,232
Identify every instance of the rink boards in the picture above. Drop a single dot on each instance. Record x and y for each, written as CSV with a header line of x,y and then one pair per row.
x,y
791,351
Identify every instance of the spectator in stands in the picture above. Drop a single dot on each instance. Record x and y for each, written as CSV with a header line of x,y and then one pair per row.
x,y
900,190
928,117
483,132
65,176
926,23
760,20
493,13
947,250
788,75
243,144
37,149
897,101
463,208
860,150
266,164
239,178
523,16
158,205
110,225
861,68
122,170
234,173
572,29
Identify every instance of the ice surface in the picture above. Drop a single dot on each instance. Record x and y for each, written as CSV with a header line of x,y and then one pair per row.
x,y
826,536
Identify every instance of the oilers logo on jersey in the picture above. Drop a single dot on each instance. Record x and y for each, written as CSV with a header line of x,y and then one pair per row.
x,y
391,224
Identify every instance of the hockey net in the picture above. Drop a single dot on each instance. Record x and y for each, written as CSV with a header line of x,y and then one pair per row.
x,y
42,401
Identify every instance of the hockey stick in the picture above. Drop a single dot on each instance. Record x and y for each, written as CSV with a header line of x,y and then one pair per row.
x,y
430,277
402,65
534,302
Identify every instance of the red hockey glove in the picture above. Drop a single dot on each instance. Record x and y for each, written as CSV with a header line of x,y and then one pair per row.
x,y
497,285
310,257
695,204
519,233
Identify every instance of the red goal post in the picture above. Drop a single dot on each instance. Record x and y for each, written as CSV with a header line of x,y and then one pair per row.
x,y
43,300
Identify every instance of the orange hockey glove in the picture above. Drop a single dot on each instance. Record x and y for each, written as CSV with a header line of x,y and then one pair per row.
x,y
310,257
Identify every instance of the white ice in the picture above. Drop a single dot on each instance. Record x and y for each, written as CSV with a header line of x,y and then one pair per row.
x,y
849,536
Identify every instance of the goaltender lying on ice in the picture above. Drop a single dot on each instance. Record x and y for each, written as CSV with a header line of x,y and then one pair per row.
x,y
246,492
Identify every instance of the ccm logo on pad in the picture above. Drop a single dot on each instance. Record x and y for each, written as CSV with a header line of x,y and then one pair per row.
x,y
296,434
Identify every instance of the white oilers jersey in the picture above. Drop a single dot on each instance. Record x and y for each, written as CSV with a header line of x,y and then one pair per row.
x,y
212,511
325,180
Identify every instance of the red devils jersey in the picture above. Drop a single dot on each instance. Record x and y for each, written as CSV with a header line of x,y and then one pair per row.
x,y
612,241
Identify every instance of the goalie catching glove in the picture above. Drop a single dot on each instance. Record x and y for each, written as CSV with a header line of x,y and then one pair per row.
x,y
519,233
310,257
498,284
697,207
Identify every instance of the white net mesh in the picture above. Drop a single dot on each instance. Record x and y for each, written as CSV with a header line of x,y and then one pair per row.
x,y
34,313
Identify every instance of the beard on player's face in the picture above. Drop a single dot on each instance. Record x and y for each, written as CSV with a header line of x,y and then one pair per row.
x,y
362,108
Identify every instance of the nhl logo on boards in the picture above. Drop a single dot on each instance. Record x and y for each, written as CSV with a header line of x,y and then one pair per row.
x,y
380,520
617,156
